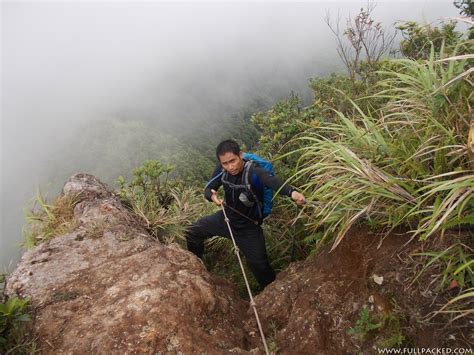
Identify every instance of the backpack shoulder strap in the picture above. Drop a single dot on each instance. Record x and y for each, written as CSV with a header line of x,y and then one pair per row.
x,y
223,176
245,176
247,181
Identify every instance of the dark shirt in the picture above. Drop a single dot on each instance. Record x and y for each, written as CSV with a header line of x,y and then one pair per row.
x,y
231,197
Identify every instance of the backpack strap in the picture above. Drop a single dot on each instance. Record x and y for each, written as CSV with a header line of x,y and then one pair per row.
x,y
246,184
245,175
247,181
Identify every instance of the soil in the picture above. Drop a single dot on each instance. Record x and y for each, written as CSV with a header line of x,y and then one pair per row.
x,y
312,305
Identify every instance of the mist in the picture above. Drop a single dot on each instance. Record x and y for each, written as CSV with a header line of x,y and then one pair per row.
x,y
66,65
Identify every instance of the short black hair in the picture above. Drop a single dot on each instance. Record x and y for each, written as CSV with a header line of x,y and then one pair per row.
x,y
227,146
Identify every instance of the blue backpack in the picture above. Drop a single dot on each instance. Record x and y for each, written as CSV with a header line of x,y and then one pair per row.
x,y
265,206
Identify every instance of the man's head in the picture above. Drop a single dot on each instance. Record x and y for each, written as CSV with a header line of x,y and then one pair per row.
x,y
230,156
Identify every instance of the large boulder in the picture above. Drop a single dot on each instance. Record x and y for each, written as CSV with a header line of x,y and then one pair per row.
x,y
108,287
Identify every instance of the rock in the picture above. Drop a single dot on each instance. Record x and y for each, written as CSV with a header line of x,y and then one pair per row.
x,y
108,287
377,279
87,186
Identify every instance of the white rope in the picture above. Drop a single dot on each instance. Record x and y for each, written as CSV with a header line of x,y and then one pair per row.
x,y
252,303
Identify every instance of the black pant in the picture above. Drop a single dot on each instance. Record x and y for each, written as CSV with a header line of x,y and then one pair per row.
x,y
249,239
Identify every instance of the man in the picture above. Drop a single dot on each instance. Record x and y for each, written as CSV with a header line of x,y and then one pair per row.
x,y
243,208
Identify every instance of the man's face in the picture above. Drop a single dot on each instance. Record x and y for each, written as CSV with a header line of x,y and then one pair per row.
x,y
232,163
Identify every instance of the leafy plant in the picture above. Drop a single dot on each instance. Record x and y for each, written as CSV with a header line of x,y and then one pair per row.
x,y
364,325
466,7
13,318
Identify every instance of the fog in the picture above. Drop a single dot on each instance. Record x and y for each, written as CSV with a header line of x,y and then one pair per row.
x,y
65,65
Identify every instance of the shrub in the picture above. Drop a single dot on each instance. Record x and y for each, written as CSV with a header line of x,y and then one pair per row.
x,y
163,206
13,318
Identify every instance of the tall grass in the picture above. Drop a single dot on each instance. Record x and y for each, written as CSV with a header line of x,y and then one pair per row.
x,y
167,222
163,206
408,163
48,219
404,164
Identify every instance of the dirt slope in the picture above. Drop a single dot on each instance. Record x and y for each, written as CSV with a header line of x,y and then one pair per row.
x,y
312,305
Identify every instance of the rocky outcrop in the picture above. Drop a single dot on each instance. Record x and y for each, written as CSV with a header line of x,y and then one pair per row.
x,y
109,287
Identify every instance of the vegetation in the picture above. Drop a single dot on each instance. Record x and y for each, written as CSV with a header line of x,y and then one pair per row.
x,y
393,336
384,328
46,220
164,207
390,145
394,154
362,43
114,147
452,269
13,319
466,7
398,164
418,39
364,325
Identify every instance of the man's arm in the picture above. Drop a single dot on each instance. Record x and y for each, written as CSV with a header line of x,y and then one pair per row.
x,y
276,184
213,184
273,182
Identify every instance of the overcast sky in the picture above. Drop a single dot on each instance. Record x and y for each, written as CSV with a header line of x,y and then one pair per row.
x,y
67,63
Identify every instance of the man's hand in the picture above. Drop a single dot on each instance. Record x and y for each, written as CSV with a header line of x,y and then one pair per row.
x,y
216,199
298,198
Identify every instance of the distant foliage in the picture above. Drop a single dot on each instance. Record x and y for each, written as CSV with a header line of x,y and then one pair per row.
x,y
113,147
110,148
